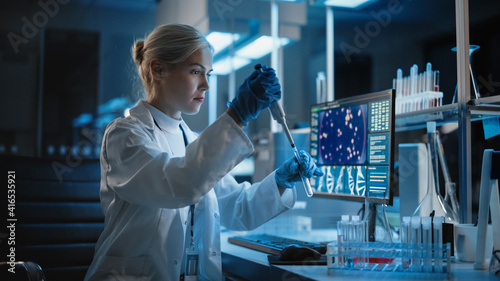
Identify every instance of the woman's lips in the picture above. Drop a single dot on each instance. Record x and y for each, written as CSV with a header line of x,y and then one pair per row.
x,y
200,99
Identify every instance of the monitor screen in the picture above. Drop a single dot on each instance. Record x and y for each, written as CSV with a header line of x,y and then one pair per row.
x,y
352,141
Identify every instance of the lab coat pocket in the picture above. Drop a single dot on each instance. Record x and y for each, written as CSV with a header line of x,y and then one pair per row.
x,y
123,268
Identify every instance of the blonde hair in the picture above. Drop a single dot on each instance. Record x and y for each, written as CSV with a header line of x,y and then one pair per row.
x,y
170,44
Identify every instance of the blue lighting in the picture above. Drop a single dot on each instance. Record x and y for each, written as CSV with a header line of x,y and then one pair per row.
x,y
225,64
82,120
221,40
347,3
260,47
229,64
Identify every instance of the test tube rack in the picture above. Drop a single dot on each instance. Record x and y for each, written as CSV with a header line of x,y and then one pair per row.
x,y
417,91
418,101
390,257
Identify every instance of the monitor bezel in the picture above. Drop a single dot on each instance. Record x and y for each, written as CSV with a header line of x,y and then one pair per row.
x,y
364,99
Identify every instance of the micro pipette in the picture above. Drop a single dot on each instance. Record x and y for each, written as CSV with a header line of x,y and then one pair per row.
x,y
279,116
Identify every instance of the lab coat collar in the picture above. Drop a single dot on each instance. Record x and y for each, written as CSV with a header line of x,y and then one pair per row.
x,y
142,113
165,122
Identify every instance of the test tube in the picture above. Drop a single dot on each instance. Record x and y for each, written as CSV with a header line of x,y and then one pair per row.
x,y
438,244
399,83
429,85
341,238
405,241
351,237
436,80
414,77
427,243
416,243
407,93
362,238
355,238
421,83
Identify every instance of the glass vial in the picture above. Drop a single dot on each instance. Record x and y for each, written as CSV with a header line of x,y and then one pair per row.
x,y
416,243
342,238
351,237
438,244
427,244
405,236
362,239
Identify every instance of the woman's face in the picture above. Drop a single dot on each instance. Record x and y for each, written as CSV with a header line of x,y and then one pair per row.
x,y
184,86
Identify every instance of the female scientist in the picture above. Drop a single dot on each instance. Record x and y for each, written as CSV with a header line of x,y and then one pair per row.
x,y
166,192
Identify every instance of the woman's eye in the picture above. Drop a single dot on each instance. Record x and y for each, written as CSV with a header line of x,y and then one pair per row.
x,y
196,72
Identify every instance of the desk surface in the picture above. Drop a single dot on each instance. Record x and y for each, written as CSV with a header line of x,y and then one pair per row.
x,y
253,265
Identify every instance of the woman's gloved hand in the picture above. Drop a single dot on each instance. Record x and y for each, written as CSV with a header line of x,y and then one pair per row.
x,y
289,172
257,92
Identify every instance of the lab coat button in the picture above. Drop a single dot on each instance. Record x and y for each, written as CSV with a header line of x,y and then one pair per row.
x,y
215,215
175,262
214,253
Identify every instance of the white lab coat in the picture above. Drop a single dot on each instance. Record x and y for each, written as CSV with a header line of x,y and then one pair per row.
x,y
146,193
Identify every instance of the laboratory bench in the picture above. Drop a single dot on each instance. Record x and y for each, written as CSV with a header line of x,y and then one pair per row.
x,y
240,263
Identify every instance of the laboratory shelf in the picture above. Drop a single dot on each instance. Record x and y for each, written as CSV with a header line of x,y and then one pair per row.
x,y
462,114
479,109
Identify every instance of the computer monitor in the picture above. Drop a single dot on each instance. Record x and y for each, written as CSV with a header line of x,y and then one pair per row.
x,y
352,141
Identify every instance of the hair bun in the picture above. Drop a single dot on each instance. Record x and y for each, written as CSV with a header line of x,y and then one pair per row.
x,y
138,52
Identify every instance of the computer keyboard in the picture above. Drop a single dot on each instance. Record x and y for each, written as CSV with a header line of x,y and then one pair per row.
x,y
271,244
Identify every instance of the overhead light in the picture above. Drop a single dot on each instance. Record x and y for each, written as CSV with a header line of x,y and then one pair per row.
x,y
260,47
229,64
289,1
221,40
347,3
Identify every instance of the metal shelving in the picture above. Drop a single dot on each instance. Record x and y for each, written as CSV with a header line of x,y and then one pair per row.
x,y
479,109
464,112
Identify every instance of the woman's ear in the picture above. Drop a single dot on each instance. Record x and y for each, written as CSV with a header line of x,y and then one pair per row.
x,y
156,69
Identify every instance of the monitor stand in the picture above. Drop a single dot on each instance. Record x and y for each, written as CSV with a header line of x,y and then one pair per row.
x,y
379,229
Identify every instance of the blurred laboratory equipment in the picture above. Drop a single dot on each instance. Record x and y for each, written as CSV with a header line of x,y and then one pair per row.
x,y
379,229
404,235
433,202
489,200
450,196
321,95
417,91
472,48
415,240
465,236
427,244
342,237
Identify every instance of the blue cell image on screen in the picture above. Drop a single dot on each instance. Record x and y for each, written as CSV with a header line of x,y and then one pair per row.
x,y
342,136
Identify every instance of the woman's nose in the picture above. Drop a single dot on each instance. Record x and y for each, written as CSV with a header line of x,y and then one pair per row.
x,y
204,86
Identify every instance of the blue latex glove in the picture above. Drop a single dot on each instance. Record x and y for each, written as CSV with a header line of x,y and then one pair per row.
x,y
288,173
257,92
